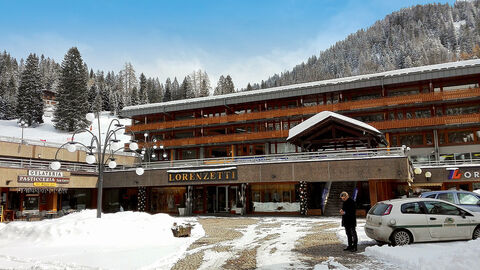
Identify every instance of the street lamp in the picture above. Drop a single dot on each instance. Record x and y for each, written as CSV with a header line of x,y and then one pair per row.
x,y
149,148
23,125
97,152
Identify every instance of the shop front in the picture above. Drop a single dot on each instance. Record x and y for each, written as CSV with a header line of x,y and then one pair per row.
x,y
446,177
32,193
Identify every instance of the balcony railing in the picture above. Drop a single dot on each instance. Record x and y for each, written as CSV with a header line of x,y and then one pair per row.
x,y
33,164
343,106
456,159
277,158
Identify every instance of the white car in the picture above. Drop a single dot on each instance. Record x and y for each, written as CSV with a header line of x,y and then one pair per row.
x,y
404,221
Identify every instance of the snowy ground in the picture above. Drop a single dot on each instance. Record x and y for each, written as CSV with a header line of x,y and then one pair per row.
x,y
132,240
47,133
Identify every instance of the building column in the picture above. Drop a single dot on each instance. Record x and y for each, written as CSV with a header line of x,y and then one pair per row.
x,y
54,201
202,152
436,144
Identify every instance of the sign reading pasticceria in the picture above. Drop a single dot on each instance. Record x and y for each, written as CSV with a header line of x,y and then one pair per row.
x,y
221,174
43,178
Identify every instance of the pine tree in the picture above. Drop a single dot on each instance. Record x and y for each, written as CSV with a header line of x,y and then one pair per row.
x,y
167,96
249,87
92,94
187,88
72,104
228,87
134,100
29,98
176,95
143,93
219,90
204,89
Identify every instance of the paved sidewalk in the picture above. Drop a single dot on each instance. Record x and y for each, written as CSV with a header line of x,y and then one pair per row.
x,y
272,243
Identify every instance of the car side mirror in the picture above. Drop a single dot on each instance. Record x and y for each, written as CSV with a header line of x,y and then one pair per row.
x,y
462,214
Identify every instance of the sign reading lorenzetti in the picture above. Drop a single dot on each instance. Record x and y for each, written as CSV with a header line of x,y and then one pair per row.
x,y
43,178
222,174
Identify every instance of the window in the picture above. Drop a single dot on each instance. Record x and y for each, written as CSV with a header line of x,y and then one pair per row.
x,y
446,197
431,196
422,114
460,136
411,140
411,208
378,209
439,208
465,198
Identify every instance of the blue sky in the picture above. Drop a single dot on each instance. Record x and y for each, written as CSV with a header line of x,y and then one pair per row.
x,y
250,40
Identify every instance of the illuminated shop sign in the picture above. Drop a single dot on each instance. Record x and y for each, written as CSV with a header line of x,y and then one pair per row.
x,y
43,178
222,174
455,174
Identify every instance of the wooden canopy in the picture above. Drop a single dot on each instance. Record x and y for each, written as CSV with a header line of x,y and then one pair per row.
x,y
329,130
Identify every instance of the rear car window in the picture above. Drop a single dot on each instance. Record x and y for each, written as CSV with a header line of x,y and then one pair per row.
x,y
465,198
411,208
378,209
446,197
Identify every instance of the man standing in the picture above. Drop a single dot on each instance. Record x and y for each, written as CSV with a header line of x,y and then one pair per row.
x,y
349,221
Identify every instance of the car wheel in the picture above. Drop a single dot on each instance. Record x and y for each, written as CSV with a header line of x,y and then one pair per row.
x,y
401,237
476,233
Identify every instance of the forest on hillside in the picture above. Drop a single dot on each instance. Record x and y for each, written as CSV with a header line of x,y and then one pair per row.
x,y
416,36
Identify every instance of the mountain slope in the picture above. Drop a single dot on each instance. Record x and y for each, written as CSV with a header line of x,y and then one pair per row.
x,y
416,36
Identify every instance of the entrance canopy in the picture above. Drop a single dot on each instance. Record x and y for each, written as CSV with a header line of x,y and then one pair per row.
x,y
329,130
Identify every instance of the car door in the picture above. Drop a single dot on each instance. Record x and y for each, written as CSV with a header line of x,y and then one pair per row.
x,y
445,221
414,219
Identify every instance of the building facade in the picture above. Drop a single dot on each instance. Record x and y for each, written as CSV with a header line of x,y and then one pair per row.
x,y
432,110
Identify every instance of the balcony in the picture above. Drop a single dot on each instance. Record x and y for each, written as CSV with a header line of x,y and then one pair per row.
x,y
344,106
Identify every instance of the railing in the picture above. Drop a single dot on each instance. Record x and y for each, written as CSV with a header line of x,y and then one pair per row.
x,y
449,160
343,106
45,165
277,158
29,141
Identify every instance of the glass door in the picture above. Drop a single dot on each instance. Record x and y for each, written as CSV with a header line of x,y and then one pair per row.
x,y
222,199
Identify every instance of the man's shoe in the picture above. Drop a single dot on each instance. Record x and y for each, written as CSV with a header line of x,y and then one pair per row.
x,y
347,248
353,249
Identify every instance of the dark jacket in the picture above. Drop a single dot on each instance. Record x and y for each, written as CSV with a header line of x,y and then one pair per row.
x,y
349,219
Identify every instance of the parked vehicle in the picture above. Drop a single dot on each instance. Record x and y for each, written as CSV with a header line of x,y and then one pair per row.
x,y
405,221
466,199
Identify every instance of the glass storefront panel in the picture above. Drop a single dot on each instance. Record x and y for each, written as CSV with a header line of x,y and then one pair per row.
x,y
167,199
275,198
77,199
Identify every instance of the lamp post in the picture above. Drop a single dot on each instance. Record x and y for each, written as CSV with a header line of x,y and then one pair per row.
x,y
149,147
23,125
104,152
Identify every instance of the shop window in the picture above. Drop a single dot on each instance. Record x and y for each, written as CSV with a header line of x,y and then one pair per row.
x,y
285,148
167,199
259,149
460,136
393,141
219,152
441,138
31,202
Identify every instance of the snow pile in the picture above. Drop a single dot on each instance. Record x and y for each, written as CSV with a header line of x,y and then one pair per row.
x,y
276,206
46,133
124,240
435,256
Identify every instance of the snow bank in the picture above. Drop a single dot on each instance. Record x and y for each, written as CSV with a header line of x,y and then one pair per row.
x,y
435,256
276,206
124,240
46,133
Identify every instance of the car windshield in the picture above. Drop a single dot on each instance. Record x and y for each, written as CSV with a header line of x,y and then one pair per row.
x,y
378,209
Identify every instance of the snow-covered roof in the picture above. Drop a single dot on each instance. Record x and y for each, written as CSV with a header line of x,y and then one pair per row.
x,y
319,117
381,78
